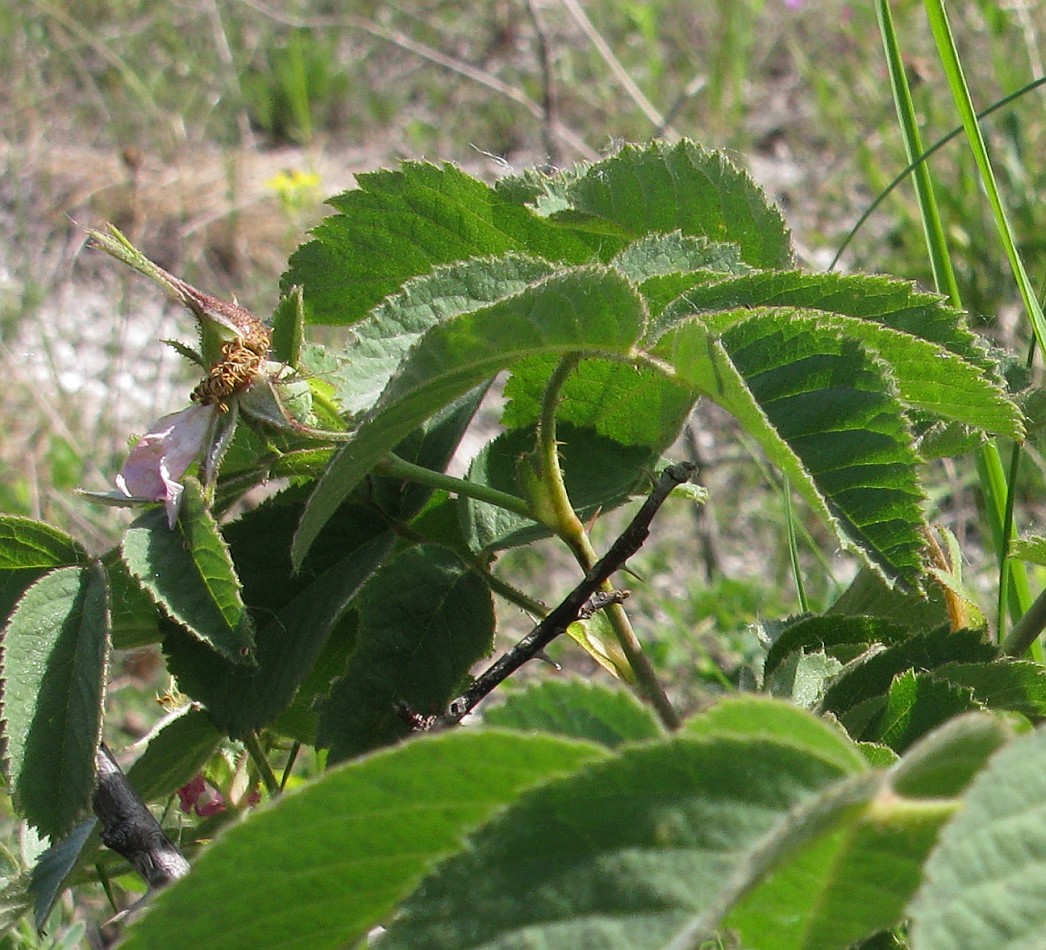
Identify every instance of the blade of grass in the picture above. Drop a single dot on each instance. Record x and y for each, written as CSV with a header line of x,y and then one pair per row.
x,y
793,547
903,174
933,230
961,94
949,55
994,484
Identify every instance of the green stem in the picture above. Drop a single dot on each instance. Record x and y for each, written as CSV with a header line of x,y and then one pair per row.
x,y
291,759
396,467
564,519
261,763
569,527
512,594
1026,630
793,547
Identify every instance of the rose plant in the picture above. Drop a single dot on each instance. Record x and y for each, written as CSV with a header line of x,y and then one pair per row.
x,y
352,610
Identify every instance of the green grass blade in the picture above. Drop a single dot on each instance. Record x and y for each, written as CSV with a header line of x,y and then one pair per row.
x,y
961,93
1012,578
923,157
936,243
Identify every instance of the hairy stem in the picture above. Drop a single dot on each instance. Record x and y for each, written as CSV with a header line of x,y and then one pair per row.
x,y
570,528
396,467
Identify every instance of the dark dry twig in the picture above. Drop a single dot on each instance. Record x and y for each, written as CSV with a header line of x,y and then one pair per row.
x,y
130,829
576,602
549,105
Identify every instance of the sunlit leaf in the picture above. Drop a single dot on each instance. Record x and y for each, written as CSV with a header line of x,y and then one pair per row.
x,y
323,866
189,573
586,309
981,884
577,710
28,550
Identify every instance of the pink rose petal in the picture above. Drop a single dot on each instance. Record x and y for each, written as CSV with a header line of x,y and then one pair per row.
x,y
161,457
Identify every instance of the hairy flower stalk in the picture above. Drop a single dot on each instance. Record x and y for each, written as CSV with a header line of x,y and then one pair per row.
x,y
234,348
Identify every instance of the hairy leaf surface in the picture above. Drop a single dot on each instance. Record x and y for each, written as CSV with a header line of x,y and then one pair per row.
x,y
578,710
982,882
321,867
825,411
424,620
588,309
685,188
189,573
628,850
28,550
56,649
399,224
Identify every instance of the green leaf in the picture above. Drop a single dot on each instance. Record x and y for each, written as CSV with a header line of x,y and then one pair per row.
x,y
323,866
136,618
943,763
802,678
869,594
383,338
664,255
633,405
1032,550
870,675
916,704
684,188
929,378
190,575
1002,684
826,413
848,861
15,900
933,380
587,309
301,719
425,618
578,710
53,868
288,329
56,648
764,718
621,854
177,749
982,882
892,303
844,870
844,638
295,612
28,550
399,224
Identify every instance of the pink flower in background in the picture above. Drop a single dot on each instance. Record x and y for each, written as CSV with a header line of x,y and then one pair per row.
x,y
161,457
199,796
